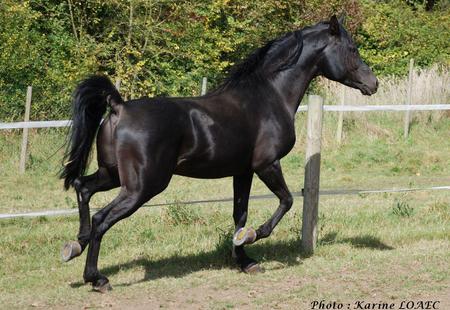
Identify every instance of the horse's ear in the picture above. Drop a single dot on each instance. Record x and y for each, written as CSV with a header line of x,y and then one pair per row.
x,y
342,18
334,26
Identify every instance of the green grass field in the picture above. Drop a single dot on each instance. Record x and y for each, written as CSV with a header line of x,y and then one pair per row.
x,y
373,248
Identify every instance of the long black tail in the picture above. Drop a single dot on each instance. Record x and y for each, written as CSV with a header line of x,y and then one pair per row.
x,y
90,100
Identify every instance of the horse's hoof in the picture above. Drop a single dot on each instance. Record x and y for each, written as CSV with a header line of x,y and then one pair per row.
x,y
244,236
253,269
102,286
70,250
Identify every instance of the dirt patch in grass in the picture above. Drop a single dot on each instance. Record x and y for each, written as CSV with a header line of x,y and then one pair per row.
x,y
256,292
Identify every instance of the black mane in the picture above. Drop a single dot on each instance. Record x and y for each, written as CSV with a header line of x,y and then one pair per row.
x,y
266,60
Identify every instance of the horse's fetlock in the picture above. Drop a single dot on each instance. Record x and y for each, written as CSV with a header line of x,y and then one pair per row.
x,y
91,276
263,232
83,240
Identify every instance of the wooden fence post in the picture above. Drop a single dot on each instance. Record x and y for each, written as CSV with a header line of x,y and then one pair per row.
x,y
23,150
312,174
204,81
117,84
341,116
407,120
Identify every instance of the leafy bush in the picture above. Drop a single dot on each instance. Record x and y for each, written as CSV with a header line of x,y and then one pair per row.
x,y
393,32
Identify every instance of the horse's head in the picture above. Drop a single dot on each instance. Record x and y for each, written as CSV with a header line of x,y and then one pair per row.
x,y
341,61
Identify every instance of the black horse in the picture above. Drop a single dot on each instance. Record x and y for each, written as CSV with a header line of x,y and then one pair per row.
x,y
243,127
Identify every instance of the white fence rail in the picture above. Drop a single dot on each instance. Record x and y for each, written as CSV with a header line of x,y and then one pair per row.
x,y
387,108
330,108
35,124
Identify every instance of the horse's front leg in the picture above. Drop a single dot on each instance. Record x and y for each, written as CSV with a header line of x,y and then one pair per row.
x,y
272,176
241,187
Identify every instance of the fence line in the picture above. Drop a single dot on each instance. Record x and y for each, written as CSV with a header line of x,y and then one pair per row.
x,y
332,192
329,108
386,108
312,167
36,124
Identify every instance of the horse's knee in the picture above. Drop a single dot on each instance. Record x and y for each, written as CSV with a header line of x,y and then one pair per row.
x,y
287,203
98,227
97,220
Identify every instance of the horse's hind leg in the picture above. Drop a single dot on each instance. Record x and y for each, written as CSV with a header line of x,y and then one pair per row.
x,y
124,205
140,180
86,186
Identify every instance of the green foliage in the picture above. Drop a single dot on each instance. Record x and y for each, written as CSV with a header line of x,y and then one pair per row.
x,y
36,49
393,32
164,47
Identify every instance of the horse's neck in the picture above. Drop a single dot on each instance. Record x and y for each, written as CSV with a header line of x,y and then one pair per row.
x,y
293,83
292,87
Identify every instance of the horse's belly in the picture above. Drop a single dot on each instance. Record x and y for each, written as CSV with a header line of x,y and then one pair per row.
x,y
210,168
206,173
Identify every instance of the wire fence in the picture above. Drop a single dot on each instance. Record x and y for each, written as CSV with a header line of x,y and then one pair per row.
x,y
333,192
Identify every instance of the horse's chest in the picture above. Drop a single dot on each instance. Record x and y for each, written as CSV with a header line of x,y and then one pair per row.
x,y
274,140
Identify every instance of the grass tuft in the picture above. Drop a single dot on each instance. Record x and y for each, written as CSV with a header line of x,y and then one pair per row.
x,y
402,209
441,209
224,245
181,214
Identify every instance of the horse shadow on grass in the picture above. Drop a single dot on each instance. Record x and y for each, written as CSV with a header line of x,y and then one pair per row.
x,y
364,241
286,252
